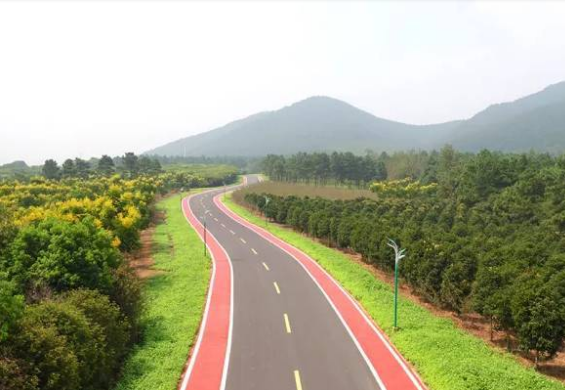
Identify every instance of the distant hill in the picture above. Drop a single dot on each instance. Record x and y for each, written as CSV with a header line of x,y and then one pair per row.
x,y
534,122
17,169
326,124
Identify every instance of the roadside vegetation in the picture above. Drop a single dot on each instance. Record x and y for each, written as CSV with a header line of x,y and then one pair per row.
x,y
71,307
446,357
215,175
485,234
174,300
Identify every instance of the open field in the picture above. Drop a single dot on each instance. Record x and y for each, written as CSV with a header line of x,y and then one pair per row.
x,y
327,192
446,357
174,302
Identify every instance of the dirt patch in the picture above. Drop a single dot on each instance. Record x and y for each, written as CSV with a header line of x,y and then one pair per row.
x,y
141,260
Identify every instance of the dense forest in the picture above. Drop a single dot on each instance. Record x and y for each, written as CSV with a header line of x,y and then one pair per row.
x,y
484,232
69,302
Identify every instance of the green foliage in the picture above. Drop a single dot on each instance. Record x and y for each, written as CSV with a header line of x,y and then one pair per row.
x,y
60,243
479,229
11,308
62,255
321,168
444,356
51,170
106,166
210,175
104,317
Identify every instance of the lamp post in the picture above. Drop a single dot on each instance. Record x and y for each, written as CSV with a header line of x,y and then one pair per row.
x,y
399,254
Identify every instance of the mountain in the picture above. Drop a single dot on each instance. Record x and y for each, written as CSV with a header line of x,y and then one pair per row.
x,y
326,124
534,122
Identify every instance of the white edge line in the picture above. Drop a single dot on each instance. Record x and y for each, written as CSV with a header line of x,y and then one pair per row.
x,y
194,355
392,350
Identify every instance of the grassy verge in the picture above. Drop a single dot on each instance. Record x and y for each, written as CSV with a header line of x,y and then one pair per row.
x,y
174,299
445,357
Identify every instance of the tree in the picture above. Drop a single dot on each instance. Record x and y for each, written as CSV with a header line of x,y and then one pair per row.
x,y
106,165
68,168
53,365
144,164
105,318
540,317
11,308
82,339
51,170
62,255
131,165
82,168
7,229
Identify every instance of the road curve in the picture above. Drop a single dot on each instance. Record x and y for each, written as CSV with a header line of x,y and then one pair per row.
x,y
275,320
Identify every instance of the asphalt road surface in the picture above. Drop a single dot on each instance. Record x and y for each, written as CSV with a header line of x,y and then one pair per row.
x,y
285,333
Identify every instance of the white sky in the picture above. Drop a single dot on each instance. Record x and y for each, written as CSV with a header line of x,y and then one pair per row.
x,y
91,78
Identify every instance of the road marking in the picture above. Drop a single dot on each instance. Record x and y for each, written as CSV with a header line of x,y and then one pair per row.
x,y
254,251
278,290
266,266
242,240
287,323
297,380
223,225
232,232
216,219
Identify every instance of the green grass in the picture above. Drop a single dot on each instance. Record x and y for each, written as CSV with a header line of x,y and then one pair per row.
x,y
446,357
174,302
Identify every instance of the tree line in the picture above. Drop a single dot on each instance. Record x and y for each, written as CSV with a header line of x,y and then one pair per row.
x,y
324,168
130,165
485,233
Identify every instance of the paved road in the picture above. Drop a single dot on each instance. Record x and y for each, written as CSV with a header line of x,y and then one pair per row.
x,y
285,333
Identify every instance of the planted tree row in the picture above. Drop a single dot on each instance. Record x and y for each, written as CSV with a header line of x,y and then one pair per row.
x,y
486,234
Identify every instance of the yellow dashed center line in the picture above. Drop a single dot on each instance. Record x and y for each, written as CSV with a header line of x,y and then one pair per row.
x,y
242,240
297,380
287,323
266,266
254,251
277,289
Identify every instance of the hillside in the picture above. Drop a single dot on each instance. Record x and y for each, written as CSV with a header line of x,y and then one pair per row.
x,y
534,122
326,124
314,124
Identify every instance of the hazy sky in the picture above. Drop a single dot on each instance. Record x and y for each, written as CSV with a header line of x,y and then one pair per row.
x,y
91,78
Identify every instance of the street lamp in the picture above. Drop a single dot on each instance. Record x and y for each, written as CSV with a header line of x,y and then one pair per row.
x,y
398,255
